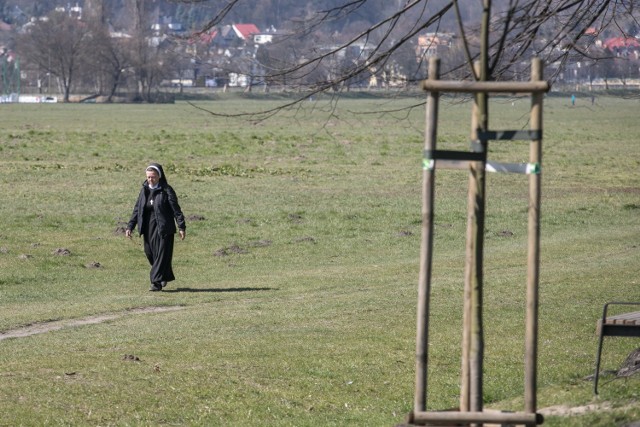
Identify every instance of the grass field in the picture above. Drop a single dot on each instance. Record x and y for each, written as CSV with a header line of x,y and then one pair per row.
x,y
296,291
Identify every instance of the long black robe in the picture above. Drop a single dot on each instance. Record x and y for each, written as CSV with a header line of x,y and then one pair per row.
x,y
157,247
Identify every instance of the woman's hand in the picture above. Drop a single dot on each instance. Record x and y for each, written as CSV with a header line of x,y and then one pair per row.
x,y
127,233
183,233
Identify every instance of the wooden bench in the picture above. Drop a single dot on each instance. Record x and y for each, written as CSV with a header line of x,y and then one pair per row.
x,y
620,325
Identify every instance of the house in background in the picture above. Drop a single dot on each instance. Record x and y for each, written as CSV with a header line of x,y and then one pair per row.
x,y
434,44
265,37
245,32
623,46
234,35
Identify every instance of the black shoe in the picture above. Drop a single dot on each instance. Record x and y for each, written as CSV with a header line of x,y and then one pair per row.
x,y
155,287
163,284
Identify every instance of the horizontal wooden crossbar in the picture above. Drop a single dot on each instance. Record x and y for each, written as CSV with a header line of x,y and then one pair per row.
x,y
477,87
510,135
453,418
454,155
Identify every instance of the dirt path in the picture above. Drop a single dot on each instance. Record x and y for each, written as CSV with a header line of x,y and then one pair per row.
x,y
43,327
568,411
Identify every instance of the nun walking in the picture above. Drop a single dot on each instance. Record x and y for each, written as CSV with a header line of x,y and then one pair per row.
x,y
156,213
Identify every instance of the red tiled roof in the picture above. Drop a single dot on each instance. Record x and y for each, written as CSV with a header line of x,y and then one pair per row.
x,y
618,42
246,30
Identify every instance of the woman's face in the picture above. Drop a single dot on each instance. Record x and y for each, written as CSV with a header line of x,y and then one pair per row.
x,y
152,178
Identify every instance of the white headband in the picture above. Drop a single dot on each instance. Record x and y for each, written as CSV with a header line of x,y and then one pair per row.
x,y
155,168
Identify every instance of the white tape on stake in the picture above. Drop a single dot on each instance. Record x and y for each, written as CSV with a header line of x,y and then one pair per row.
x,y
428,164
523,168
533,168
506,167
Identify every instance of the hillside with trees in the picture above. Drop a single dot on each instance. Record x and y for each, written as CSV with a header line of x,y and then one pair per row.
x,y
194,14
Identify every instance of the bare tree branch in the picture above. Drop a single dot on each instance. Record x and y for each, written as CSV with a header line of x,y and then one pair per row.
x,y
554,30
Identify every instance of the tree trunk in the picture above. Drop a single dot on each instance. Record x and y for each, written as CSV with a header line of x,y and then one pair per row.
x,y
114,86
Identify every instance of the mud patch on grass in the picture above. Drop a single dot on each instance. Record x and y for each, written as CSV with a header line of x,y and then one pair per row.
x,y
55,325
93,264
233,249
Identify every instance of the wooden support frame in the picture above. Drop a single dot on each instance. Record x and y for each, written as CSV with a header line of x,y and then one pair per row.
x,y
471,392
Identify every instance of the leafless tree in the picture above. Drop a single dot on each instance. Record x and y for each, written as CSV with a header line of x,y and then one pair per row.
x,y
58,45
514,31
152,56
112,60
109,58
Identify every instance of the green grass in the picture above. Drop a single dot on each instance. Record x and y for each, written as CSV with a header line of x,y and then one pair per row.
x,y
314,323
